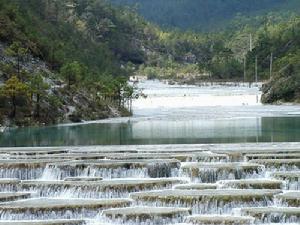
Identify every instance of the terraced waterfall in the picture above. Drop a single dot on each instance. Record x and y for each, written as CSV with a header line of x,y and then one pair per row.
x,y
156,167
235,184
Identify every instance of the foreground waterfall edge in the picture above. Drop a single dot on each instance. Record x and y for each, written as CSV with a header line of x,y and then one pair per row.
x,y
151,185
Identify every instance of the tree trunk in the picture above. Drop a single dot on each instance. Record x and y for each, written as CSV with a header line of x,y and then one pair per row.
x,y
37,110
18,58
14,107
69,82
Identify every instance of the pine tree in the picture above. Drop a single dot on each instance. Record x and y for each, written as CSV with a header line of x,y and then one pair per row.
x,y
17,50
38,89
12,90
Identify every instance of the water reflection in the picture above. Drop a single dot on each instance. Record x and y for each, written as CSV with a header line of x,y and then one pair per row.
x,y
265,129
174,114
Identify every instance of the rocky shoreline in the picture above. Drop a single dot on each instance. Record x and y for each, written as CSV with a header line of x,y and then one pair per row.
x,y
63,104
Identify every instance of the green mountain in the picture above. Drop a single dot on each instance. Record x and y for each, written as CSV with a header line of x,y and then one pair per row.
x,y
205,15
70,60
67,60
282,42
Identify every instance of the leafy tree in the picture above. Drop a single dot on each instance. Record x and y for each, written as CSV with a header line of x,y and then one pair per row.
x,y
12,90
73,72
204,15
38,89
17,50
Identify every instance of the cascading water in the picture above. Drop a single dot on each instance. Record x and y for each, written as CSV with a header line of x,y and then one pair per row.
x,y
234,186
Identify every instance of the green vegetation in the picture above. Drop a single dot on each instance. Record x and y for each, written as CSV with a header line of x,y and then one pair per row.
x,y
16,50
71,59
73,72
62,59
16,93
272,24
283,41
204,15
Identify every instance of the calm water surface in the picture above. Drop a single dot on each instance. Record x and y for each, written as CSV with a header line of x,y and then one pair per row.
x,y
176,115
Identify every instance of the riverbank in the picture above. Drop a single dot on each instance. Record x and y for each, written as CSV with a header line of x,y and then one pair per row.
x,y
281,90
33,94
274,92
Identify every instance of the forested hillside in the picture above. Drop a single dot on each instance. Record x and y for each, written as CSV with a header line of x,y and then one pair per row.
x,y
205,15
283,42
272,26
66,60
70,60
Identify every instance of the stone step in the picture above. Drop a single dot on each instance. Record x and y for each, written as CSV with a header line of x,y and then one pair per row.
x,y
234,224
287,175
183,157
291,198
25,163
206,201
191,156
239,153
97,189
24,169
250,184
12,196
195,186
212,172
9,184
113,168
85,179
43,222
143,215
290,178
57,208
273,156
273,214
117,163
278,224
278,163
34,151
220,219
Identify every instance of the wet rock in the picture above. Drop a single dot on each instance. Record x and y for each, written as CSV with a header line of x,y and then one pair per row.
x,y
97,189
220,219
273,156
212,172
115,168
273,214
291,198
206,201
84,179
11,196
146,215
251,184
146,212
195,186
278,163
57,208
44,222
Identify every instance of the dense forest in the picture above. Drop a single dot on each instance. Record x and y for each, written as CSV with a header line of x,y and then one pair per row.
x,y
282,43
205,15
223,49
70,60
66,60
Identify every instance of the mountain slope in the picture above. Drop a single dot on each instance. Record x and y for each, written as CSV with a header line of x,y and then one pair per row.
x,y
66,60
204,15
283,41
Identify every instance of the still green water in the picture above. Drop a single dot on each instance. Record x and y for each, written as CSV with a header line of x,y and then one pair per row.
x,y
268,129
174,114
